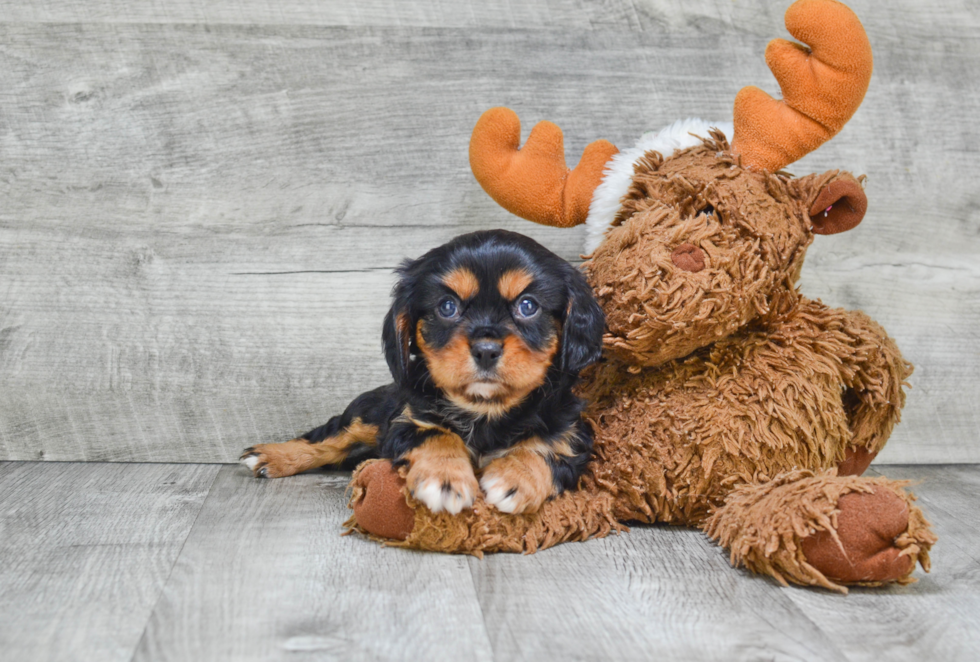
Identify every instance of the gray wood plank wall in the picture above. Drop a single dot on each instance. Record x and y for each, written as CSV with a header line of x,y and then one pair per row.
x,y
202,201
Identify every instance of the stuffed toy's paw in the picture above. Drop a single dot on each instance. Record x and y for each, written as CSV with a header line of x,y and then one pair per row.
x,y
824,529
384,510
872,544
378,500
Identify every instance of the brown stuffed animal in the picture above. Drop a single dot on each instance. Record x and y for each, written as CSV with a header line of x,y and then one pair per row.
x,y
727,400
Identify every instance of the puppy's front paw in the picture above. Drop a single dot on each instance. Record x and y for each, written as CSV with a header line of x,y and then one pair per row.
x,y
278,460
444,484
517,484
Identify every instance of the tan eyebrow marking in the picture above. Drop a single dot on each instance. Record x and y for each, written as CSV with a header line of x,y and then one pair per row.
x,y
463,282
513,282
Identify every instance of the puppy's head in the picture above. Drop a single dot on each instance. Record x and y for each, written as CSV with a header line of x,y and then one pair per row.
x,y
487,318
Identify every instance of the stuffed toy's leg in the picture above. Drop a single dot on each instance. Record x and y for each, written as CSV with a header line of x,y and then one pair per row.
x,y
873,373
384,509
824,530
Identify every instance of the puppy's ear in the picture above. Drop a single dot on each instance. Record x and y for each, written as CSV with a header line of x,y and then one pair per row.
x,y
396,336
583,326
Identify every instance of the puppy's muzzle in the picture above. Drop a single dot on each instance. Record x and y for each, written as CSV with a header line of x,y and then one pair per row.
x,y
486,353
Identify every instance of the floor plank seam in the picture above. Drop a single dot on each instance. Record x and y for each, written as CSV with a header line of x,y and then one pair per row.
x,y
479,604
180,552
802,612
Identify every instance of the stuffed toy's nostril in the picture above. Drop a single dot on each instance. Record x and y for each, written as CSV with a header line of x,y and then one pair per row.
x,y
688,257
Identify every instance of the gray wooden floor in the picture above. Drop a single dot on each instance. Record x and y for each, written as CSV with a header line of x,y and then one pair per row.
x,y
202,562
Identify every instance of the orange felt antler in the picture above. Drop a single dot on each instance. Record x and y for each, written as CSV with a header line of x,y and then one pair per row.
x,y
534,182
822,86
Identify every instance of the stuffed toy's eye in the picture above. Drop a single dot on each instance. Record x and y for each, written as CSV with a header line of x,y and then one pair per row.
x,y
448,309
527,308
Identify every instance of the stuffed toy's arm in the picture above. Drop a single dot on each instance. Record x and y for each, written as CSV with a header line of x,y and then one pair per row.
x,y
384,509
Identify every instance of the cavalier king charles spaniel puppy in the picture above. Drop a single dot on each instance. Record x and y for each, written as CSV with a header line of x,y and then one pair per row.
x,y
485,340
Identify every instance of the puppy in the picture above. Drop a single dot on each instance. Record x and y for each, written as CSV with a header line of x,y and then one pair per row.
x,y
485,339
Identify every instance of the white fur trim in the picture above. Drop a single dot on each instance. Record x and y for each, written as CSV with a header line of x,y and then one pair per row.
x,y
619,171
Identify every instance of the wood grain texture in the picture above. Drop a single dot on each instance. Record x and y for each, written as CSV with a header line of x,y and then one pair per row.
x,y
107,561
266,575
882,21
86,550
537,14
201,211
670,591
934,619
655,589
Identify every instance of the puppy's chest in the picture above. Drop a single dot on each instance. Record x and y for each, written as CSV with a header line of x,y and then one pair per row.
x,y
485,440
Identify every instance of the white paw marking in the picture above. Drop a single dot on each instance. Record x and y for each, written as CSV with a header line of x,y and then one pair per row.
x,y
499,494
453,501
250,461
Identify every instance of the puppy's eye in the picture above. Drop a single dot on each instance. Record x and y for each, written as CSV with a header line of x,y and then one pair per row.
x,y
448,309
707,211
527,308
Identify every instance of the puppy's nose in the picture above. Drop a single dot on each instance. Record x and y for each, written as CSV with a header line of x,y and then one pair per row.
x,y
486,353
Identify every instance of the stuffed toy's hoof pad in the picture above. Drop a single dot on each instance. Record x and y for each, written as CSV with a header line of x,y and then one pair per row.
x,y
381,509
867,526
856,462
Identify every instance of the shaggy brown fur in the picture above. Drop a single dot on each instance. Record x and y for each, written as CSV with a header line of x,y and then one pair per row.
x,y
727,399
767,528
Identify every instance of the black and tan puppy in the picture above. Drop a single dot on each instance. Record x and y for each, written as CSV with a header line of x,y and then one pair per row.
x,y
485,339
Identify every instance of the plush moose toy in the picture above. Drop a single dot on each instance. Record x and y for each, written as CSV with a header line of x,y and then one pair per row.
x,y
727,400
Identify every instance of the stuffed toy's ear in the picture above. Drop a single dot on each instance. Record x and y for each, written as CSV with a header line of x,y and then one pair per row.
x,y
834,200
534,182
583,326
839,205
